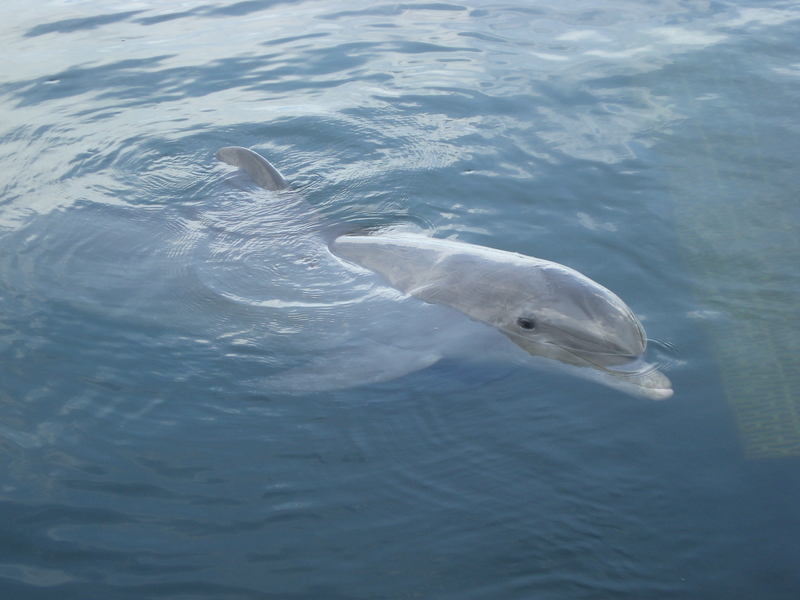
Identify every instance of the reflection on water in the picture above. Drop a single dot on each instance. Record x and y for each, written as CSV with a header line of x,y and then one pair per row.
x,y
647,145
739,236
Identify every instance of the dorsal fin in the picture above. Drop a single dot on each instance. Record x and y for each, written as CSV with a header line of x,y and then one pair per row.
x,y
255,165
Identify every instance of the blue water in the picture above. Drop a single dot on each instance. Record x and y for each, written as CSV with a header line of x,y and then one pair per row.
x,y
652,146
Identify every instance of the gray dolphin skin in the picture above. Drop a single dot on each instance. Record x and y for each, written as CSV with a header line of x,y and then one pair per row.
x,y
549,310
255,165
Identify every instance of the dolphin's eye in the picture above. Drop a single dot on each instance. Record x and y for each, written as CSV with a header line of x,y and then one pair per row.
x,y
526,324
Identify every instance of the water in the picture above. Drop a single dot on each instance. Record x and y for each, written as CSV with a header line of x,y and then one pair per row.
x,y
650,146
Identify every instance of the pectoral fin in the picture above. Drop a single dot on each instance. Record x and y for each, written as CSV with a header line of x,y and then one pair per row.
x,y
362,364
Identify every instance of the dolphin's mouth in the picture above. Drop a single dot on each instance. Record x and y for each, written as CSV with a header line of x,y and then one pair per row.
x,y
619,364
631,374
614,346
628,373
606,359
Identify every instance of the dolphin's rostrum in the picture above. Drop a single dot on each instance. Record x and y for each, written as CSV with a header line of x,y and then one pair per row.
x,y
545,308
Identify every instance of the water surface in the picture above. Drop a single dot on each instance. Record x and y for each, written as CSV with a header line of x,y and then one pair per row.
x,y
650,146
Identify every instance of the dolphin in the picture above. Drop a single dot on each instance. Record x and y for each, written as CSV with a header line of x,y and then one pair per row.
x,y
557,316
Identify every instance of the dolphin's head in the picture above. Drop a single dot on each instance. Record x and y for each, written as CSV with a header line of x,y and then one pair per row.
x,y
565,316
545,308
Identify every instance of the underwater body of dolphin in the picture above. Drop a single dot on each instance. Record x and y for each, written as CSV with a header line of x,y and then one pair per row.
x,y
550,311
